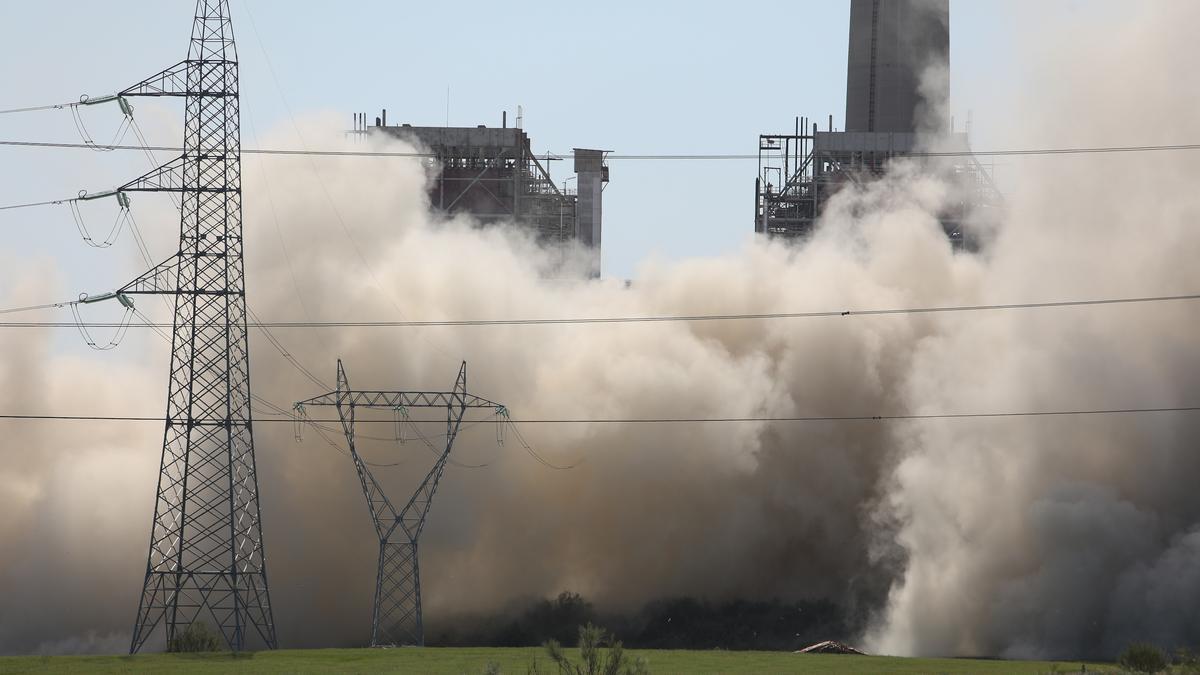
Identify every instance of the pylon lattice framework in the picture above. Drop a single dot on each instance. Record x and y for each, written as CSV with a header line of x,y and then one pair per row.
x,y
206,548
396,617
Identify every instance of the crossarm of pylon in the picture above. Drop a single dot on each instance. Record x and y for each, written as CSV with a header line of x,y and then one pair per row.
x,y
166,178
403,399
162,279
173,81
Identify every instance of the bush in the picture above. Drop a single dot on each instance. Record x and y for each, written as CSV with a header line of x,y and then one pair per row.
x,y
195,638
591,639
1141,657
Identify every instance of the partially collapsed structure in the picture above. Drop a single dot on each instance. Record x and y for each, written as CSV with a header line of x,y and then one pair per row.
x,y
493,174
897,89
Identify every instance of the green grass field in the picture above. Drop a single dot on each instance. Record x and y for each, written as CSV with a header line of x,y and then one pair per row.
x,y
436,661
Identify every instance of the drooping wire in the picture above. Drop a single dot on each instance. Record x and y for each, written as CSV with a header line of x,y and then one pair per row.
x,y
300,419
438,453
274,341
273,410
287,356
86,136
123,218
118,336
505,420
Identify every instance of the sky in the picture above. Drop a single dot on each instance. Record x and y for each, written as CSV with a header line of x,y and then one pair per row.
x,y
635,78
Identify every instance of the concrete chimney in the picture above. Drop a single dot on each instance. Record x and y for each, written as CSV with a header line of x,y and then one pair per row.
x,y
898,75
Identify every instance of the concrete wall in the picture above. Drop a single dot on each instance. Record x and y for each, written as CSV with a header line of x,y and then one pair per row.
x,y
591,176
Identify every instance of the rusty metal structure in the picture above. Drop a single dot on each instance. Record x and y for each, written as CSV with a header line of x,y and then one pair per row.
x,y
493,174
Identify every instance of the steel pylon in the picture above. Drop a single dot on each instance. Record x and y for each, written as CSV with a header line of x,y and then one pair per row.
x,y
206,550
396,617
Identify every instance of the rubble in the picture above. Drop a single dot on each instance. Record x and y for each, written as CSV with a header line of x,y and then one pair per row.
x,y
829,647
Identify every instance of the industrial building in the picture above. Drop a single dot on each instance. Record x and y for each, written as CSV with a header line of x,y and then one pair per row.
x,y
897,89
493,174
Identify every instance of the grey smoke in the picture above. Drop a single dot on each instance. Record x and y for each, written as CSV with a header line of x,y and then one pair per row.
x,y
1043,537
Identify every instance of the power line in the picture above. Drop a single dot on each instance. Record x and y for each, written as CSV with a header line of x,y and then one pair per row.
x,y
682,420
32,308
632,157
36,108
52,202
639,319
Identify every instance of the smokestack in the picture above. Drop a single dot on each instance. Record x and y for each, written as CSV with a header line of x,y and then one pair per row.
x,y
385,117
899,53
504,120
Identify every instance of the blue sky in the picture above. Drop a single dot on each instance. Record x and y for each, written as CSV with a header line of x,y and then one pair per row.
x,y
662,77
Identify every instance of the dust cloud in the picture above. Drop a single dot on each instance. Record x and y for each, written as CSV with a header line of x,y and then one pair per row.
x,y
1057,536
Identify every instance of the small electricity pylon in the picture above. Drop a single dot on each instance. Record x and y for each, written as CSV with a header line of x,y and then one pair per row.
x,y
206,548
396,619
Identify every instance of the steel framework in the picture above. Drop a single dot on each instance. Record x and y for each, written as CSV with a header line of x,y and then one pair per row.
x,y
396,618
206,547
799,172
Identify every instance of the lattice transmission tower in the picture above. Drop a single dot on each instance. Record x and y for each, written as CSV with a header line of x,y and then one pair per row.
x,y
206,549
396,618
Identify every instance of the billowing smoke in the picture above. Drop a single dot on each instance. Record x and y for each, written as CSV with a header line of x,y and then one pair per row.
x,y
1058,536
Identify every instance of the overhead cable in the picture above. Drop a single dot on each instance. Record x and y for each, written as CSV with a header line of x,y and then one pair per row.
x,y
685,420
644,319
620,157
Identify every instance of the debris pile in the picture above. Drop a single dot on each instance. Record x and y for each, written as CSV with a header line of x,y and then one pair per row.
x,y
830,647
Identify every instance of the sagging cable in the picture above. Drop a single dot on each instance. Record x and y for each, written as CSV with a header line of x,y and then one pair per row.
x,y
123,218
122,325
437,453
299,419
85,134
506,421
400,415
501,425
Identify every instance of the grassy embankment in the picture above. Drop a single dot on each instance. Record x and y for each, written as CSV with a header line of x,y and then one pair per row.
x,y
473,661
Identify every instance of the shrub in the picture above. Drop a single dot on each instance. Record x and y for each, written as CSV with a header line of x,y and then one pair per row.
x,y
195,638
1141,657
591,639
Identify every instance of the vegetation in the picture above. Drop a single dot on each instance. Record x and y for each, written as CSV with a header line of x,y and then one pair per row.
x,y
195,638
672,623
1141,657
440,661
592,640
